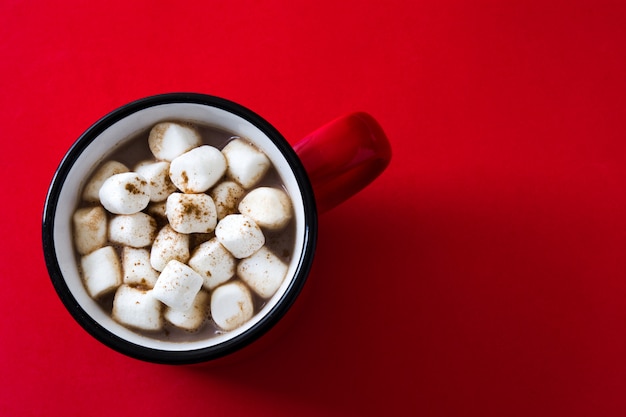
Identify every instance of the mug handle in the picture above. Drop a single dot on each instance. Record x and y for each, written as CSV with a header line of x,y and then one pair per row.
x,y
343,157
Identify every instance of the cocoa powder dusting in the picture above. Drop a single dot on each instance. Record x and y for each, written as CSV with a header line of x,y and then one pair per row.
x,y
135,151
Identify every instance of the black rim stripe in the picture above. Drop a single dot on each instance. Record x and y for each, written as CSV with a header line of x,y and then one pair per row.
x,y
203,354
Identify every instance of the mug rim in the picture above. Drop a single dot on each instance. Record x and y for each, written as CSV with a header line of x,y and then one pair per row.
x,y
230,345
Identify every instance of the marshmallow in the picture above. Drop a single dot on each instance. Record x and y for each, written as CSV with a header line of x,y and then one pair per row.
x,y
125,193
169,245
136,230
246,164
90,229
168,140
158,176
191,319
108,169
198,170
240,235
231,305
177,286
263,272
137,308
137,269
102,271
269,207
226,196
191,213
213,262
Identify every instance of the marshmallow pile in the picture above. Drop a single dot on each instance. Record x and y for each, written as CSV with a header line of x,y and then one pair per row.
x,y
181,238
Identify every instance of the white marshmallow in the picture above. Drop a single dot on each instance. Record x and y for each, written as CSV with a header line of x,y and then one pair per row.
x,y
269,207
263,272
191,319
246,164
168,140
137,308
231,305
137,269
102,271
158,176
191,213
125,193
177,286
90,229
213,262
226,196
240,235
108,169
136,230
198,170
168,245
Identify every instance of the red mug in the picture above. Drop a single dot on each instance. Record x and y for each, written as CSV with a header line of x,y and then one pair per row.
x,y
319,172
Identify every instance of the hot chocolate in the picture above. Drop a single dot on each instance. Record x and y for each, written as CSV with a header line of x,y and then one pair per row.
x,y
165,245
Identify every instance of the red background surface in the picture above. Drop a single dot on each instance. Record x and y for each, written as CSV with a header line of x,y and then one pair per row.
x,y
483,274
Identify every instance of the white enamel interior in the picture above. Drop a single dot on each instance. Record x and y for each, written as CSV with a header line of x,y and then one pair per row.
x,y
108,142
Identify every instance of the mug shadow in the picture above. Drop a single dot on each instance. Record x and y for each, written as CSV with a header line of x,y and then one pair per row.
x,y
435,310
